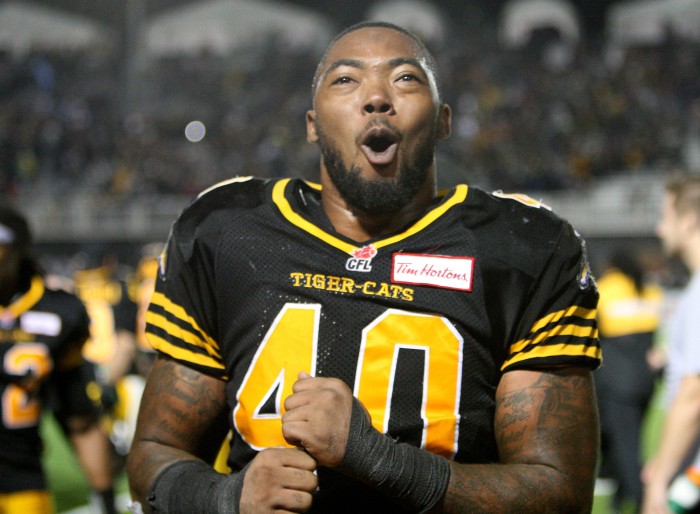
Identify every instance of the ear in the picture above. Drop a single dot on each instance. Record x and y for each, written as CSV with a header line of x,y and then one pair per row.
x,y
444,122
311,133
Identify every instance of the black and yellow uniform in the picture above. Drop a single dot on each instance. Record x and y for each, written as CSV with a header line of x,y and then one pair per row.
x,y
628,317
255,286
111,346
42,333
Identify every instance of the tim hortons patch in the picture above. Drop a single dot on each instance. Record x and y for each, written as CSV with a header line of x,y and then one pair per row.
x,y
443,271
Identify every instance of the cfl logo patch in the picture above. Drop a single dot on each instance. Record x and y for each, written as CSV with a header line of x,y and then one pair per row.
x,y
361,259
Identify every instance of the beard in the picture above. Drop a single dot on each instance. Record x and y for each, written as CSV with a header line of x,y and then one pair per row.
x,y
378,196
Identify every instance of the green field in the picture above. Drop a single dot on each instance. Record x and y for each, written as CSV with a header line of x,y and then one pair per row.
x,y
71,490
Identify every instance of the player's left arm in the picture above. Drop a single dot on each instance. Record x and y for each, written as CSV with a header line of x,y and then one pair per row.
x,y
546,418
546,426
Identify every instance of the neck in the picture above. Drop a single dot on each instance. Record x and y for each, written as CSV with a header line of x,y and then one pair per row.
x,y
361,226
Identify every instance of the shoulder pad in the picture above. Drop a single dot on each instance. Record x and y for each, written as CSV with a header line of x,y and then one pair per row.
x,y
523,199
239,193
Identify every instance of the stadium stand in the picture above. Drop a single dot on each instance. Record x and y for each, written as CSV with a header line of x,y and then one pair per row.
x,y
558,117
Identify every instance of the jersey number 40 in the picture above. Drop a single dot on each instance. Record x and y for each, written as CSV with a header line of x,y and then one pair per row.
x,y
290,346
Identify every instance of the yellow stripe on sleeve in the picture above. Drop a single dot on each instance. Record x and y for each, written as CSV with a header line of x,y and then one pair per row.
x,y
574,310
559,330
186,336
178,312
183,354
566,349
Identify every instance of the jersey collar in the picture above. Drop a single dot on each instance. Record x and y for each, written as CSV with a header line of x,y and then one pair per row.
x,y
458,195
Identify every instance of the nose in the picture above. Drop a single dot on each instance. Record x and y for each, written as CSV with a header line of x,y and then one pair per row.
x,y
378,101
377,106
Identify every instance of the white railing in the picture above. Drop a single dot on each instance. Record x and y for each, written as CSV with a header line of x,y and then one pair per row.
x,y
80,217
616,207
624,207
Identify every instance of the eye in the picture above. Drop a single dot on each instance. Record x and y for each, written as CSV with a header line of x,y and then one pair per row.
x,y
409,77
344,79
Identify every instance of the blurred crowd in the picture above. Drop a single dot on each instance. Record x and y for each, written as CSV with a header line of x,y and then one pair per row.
x,y
549,115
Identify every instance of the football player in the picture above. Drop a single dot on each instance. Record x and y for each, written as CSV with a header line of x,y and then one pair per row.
x,y
112,346
374,344
42,332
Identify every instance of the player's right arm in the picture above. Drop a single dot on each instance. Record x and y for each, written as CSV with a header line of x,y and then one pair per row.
x,y
182,420
179,408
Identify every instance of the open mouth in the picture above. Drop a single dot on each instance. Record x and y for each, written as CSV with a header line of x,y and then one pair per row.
x,y
379,145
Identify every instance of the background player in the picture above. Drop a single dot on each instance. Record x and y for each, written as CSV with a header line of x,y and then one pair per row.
x,y
112,346
42,332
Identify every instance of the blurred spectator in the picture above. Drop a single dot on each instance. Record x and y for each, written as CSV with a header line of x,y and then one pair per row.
x,y
679,231
628,317
538,118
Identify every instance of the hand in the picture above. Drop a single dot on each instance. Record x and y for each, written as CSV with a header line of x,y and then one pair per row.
x,y
318,418
278,480
656,359
648,472
654,501
655,491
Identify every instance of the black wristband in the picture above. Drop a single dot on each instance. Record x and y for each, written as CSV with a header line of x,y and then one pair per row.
x,y
414,478
194,487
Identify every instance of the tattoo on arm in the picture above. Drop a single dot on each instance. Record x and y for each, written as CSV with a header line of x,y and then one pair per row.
x,y
182,416
547,431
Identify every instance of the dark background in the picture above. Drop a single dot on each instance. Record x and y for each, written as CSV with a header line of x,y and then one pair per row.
x,y
113,12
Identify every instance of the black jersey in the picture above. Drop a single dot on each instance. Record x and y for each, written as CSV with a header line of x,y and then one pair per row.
x,y
41,336
255,286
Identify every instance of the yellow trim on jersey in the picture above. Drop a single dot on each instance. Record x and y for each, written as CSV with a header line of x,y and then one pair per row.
x,y
20,502
190,337
184,354
185,336
535,348
555,350
292,216
574,310
559,330
27,300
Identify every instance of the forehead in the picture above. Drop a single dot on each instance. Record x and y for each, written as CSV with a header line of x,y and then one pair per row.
x,y
373,43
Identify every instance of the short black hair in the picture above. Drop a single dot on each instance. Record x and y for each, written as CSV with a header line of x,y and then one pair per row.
x,y
423,50
16,227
